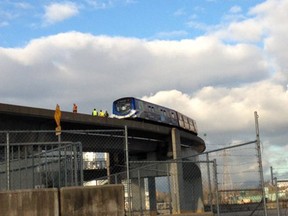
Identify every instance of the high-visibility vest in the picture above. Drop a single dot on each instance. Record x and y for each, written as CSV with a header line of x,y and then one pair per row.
x,y
94,113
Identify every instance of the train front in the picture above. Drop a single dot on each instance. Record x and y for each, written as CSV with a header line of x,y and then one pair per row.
x,y
124,108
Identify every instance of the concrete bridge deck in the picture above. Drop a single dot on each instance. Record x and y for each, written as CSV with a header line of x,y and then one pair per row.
x,y
14,117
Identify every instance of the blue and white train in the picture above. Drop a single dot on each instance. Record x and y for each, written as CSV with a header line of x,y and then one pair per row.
x,y
130,107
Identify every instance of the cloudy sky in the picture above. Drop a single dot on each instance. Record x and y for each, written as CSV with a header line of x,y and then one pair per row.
x,y
216,61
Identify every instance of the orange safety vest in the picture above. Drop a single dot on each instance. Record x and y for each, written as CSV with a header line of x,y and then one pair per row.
x,y
74,108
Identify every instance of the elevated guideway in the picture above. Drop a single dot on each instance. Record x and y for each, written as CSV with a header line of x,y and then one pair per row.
x,y
140,134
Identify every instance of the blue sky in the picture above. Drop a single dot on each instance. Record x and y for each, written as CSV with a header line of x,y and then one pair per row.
x,y
149,19
215,61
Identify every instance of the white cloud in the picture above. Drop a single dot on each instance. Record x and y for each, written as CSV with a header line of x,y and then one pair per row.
x,y
230,109
235,9
81,59
247,31
57,12
100,4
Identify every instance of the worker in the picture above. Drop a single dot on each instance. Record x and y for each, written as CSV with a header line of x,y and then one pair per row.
x,y
106,114
75,108
94,112
101,113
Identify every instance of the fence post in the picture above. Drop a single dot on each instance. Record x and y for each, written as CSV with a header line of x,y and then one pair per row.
x,y
260,162
216,187
272,175
76,167
277,197
127,170
169,186
80,154
59,164
8,161
140,194
209,182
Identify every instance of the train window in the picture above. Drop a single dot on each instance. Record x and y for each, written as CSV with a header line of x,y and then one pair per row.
x,y
185,119
173,115
151,108
141,106
123,106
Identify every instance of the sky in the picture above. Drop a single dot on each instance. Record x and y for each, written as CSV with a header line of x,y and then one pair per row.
x,y
215,61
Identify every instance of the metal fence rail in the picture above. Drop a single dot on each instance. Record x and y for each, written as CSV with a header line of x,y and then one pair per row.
x,y
40,159
40,165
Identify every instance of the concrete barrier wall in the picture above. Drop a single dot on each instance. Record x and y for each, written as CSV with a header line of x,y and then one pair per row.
x,y
34,202
105,200
192,214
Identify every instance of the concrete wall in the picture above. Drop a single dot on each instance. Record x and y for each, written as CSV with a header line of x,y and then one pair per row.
x,y
105,200
42,202
73,201
193,214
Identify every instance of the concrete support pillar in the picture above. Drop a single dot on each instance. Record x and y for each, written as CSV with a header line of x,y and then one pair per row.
x,y
115,164
152,196
193,186
192,180
138,195
177,189
152,156
186,185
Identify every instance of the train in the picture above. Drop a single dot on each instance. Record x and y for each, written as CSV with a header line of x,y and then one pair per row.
x,y
134,108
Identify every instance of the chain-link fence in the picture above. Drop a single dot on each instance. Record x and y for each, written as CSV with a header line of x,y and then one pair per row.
x,y
159,186
277,192
40,165
225,181
239,184
40,159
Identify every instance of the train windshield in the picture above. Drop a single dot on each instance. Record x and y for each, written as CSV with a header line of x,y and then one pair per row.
x,y
123,106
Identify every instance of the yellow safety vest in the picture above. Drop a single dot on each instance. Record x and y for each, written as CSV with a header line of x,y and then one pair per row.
x,y
94,113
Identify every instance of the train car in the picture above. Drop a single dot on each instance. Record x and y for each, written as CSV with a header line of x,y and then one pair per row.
x,y
130,107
